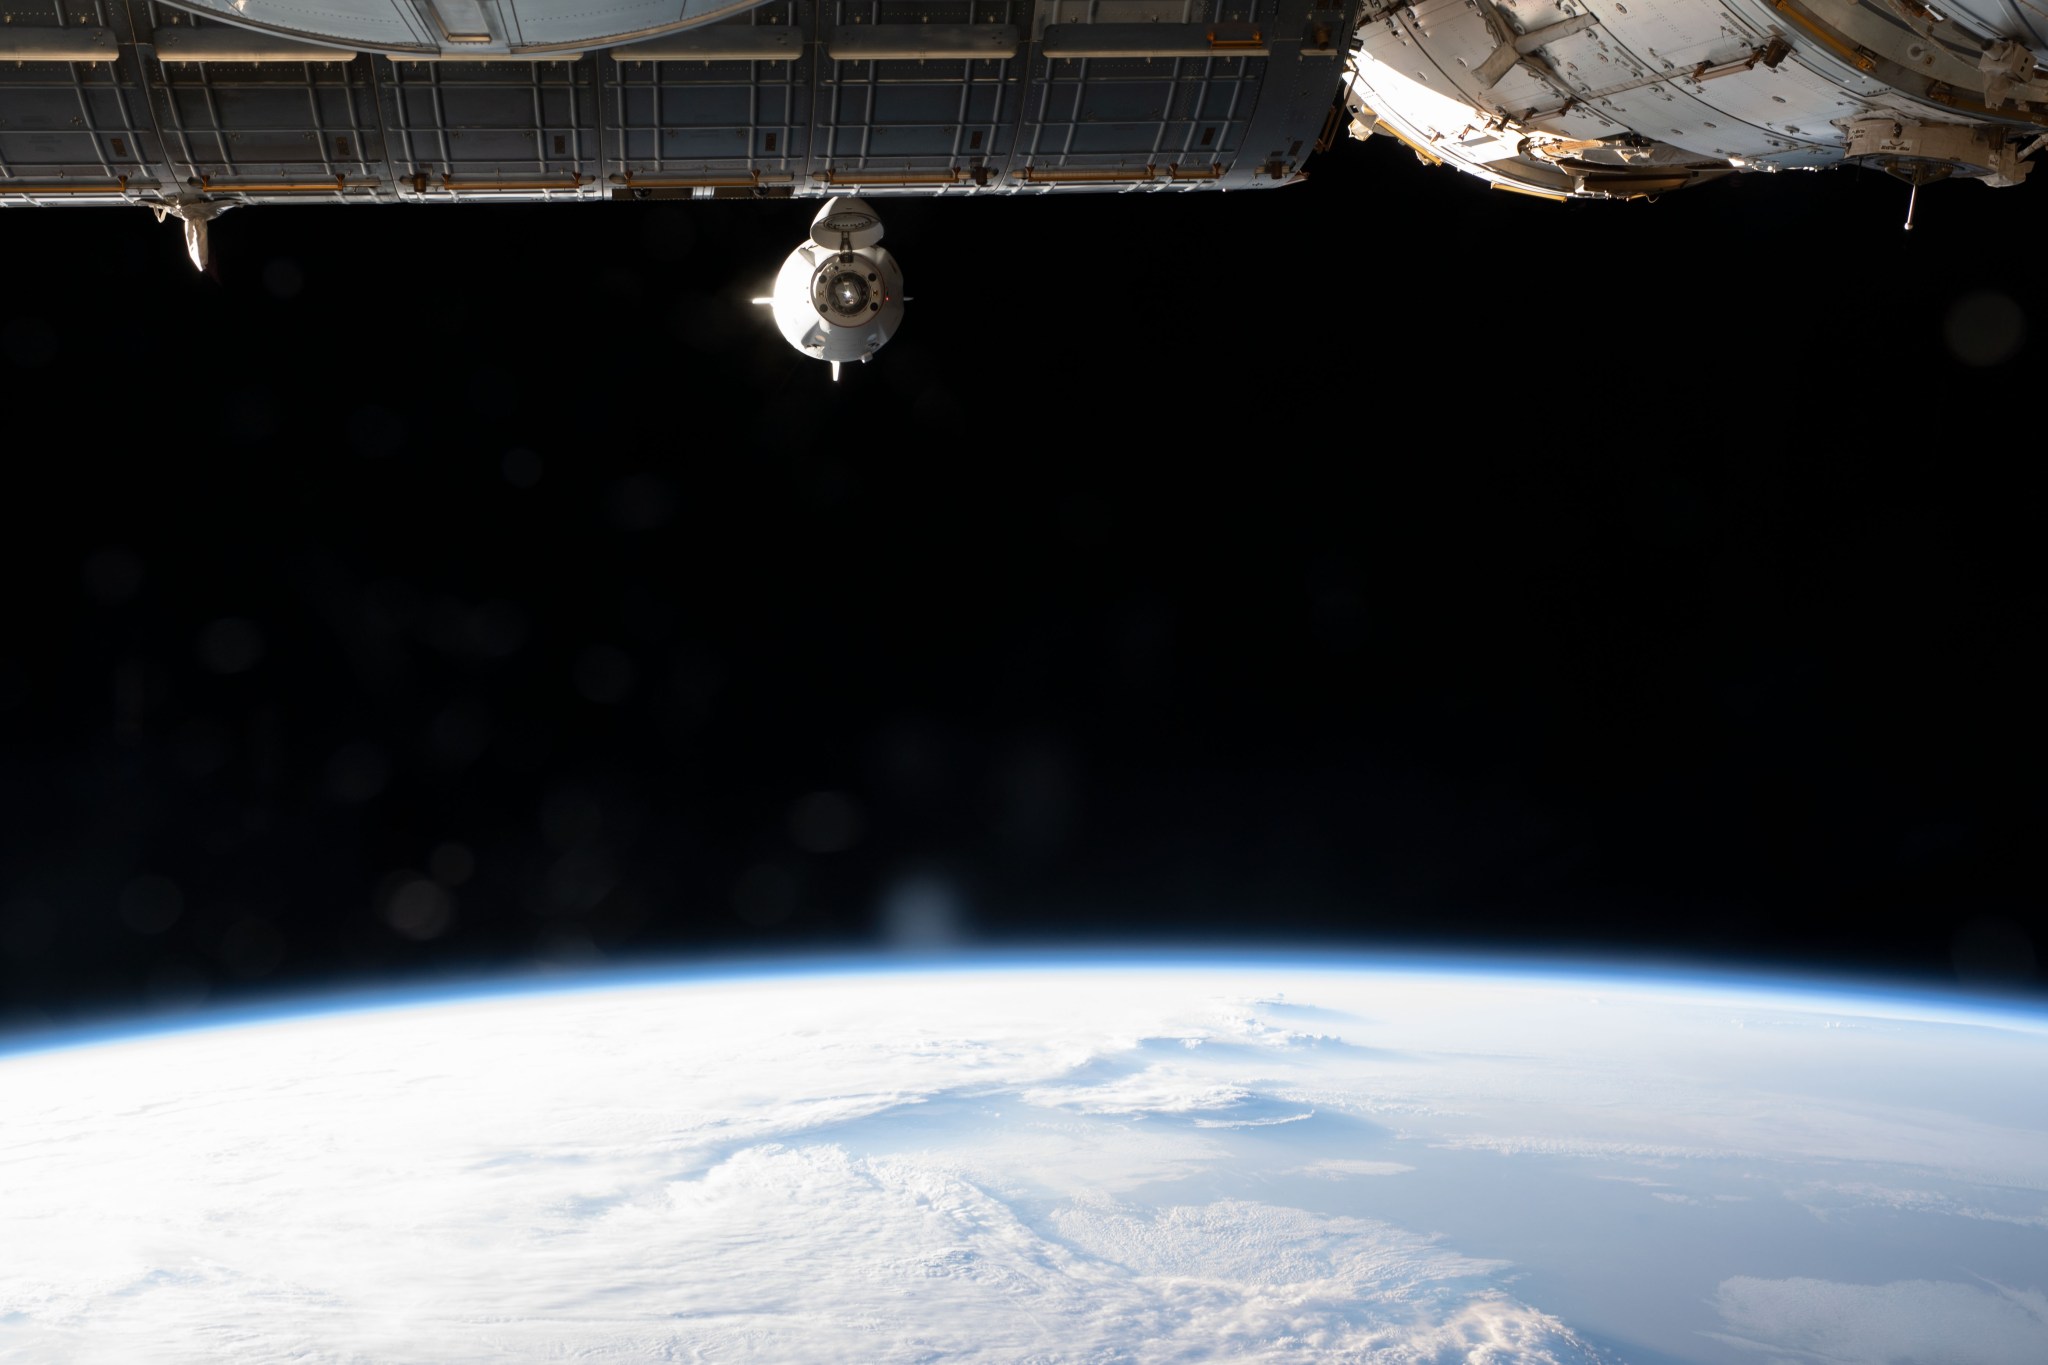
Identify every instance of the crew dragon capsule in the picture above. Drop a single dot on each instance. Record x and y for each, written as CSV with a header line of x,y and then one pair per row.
x,y
839,296
198,107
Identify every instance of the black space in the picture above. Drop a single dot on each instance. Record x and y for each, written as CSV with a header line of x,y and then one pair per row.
x,y
1380,562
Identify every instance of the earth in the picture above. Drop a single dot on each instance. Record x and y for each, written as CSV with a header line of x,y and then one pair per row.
x,y
1081,1161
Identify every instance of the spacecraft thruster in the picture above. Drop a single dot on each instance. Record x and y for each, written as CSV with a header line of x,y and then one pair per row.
x,y
839,296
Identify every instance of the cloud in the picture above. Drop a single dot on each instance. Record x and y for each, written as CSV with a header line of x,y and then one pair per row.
x,y
1820,1196
962,1167
811,1253
648,1175
1156,1090
1335,1168
1249,1280
1253,1123
1518,1145
1906,1322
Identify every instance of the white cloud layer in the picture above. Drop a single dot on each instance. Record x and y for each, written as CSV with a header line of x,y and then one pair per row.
x,y
1908,1322
1076,1167
781,1254
621,1176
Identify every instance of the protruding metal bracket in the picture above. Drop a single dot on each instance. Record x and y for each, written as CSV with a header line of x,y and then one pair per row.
x,y
1505,57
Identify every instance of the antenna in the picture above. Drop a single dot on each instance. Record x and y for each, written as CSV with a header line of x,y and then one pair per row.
x,y
1913,196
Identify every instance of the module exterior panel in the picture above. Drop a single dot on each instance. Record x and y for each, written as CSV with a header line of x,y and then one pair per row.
x,y
944,98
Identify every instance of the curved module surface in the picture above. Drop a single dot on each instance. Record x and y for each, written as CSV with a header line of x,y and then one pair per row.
x,y
191,111
1565,98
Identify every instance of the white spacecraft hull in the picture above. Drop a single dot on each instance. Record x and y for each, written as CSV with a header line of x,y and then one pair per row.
x,y
1603,97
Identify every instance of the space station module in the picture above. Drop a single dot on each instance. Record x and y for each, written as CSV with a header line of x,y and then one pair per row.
x,y
1629,99
191,108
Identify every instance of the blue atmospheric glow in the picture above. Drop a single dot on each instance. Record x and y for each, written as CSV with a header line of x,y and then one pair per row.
x,y
1783,988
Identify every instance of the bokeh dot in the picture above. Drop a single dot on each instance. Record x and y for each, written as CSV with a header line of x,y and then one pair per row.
x,y
1984,328
28,927
283,279
521,467
112,575
921,913
496,629
151,904
357,772
451,864
27,342
569,816
825,822
640,502
175,984
604,674
419,909
376,432
230,645
252,947
765,895
1991,951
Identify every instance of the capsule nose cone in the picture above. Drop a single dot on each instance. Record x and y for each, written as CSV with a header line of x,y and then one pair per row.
x,y
846,223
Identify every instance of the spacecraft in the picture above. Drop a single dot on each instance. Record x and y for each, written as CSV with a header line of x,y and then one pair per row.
x,y
193,108
839,295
